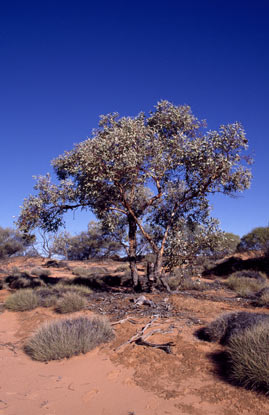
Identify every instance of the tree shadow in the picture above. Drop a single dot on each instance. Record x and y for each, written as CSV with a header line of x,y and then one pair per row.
x,y
50,280
24,280
233,264
105,283
223,369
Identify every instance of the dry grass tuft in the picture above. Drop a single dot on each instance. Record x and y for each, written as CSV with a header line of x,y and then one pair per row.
x,y
185,284
71,302
68,337
245,286
248,357
228,325
40,272
22,300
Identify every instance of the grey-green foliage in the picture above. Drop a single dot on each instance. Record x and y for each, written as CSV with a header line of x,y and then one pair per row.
x,y
156,170
226,244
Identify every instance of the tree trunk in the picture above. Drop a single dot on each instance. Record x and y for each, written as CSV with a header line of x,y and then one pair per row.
x,y
132,252
158,268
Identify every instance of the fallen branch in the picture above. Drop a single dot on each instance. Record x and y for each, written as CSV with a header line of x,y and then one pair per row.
x,y
140,337
166,347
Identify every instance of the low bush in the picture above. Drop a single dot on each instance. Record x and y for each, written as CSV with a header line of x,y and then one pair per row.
x,y
68,337
248,357
122,268
39,271
222,329
185,284
22,300
71,302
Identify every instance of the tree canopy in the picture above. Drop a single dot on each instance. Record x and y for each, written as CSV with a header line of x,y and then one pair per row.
x,y
156,171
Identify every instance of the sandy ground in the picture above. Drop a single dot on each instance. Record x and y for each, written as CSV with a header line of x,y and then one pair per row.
x,y
124,379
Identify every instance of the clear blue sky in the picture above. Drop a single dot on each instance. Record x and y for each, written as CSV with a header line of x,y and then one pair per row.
x,y
65,63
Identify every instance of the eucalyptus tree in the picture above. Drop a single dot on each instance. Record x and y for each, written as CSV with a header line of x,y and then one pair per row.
x,y
156,171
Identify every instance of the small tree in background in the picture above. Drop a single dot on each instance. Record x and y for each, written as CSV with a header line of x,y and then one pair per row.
x,y
13,242
86,245
256,240
155,171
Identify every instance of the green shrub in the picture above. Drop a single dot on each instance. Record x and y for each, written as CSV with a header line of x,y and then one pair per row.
x,y
22,300
248,354
39,271
68,337
71,302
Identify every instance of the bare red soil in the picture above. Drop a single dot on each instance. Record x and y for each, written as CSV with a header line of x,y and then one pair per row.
x,y
122,378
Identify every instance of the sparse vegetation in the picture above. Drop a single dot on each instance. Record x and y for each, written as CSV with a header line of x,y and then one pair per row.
x,y
22,300
71,302
68,337
248,353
